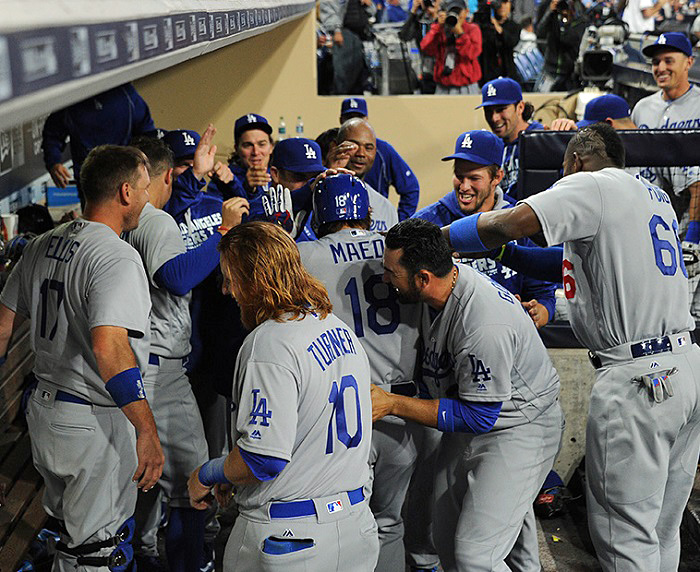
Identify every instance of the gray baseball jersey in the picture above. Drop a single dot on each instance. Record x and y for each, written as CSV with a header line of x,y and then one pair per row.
x,y
69,280
157,239
301,393
654,112
483,347
384,214
612,279
349,263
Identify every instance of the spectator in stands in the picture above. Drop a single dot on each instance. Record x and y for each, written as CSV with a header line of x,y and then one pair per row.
x,y
114,116
455,44
395,11
389,168
561,25
508,116
695,30
528,38
500,34
639,14
416,26
349,21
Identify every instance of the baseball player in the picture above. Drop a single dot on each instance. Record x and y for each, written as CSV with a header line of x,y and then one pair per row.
x,y
389,168
675,106
492,391
504,108
347,258
476,182
642,437
86,294
114,116
173,271
252,135
300,399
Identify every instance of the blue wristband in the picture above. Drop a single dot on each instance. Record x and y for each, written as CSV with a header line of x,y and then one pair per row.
x,y
464,237
693,232
212,472
126,387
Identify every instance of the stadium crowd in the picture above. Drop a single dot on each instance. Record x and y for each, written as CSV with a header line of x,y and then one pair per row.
x,y
253,318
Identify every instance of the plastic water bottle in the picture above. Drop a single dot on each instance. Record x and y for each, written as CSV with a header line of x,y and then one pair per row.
x,y
282,130
300,127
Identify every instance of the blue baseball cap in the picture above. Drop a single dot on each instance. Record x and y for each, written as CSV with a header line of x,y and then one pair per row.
x,y
481,146
340,197
669,41
600,108
250,121
500,91
182,142
298,155
354,105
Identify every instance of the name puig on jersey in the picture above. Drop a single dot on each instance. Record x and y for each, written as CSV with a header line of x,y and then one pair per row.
x,y
362,250
61,249
331,345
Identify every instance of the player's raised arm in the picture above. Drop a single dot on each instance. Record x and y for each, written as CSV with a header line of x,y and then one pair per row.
x,y
485,231
117,366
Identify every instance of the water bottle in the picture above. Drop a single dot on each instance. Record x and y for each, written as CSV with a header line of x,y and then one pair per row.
x,y
282,130
300,127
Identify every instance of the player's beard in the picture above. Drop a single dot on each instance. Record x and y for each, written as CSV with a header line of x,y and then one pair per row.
x,y
410,296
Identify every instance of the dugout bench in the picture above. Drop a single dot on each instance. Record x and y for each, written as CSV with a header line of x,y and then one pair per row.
x,y
21,487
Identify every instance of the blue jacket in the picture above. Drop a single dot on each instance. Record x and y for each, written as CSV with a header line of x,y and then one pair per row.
x,y
447,210
389,168
114,116
511,163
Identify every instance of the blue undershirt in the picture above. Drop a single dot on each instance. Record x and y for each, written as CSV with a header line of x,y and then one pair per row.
x,y
455,415
180,274
264,467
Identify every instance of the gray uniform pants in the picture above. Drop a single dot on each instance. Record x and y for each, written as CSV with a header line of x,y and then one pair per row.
x,y
641,459
344,541
87,457
484,487
392,460
181,435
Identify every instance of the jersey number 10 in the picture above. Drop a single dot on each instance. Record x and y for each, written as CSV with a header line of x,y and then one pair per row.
x,y
337,399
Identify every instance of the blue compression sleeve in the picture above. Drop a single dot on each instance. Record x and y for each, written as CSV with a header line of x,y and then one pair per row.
x,y
540,263
182,273
212,472
464,237
455,415
693,232
264,468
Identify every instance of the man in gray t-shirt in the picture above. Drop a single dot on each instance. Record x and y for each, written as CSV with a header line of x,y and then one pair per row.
x,y
625,284
86,294
492,391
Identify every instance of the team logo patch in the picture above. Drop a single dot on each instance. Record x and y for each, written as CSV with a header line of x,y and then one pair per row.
x,y
467,143
662,39
251,118
334,506
310,153
256,435
353,103
259,411
189,140
490,91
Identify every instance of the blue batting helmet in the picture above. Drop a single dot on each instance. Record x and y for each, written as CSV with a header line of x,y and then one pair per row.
x,y
340,197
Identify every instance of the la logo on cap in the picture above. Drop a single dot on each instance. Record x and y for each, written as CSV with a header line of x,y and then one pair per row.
x,y
490,91
251,118
310,153
467,143
353,103
662,39
189,140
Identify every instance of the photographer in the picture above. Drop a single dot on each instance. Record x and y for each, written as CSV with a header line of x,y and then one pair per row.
x,y
561,25
455,44
499,35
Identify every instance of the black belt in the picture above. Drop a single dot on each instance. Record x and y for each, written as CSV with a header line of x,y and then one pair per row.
x,y
646,348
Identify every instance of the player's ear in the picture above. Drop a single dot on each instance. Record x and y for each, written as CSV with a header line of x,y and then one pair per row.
x,y
124,194
168,177
422,279
274,173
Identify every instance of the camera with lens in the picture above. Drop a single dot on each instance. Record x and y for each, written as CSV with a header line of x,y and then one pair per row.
x,y
453,9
